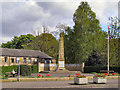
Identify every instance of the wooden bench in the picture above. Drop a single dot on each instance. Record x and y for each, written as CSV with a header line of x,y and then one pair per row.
x,y
9,74
105,71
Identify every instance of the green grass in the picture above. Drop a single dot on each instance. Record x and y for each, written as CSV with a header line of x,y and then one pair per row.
x,y
116,74
3,77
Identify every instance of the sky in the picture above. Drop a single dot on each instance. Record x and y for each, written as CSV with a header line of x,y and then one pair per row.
x,y
21,17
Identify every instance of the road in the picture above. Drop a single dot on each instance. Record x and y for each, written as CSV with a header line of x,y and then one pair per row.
x,y
111,83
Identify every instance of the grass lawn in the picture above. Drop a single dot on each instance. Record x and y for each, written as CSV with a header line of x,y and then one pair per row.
x,y
111,74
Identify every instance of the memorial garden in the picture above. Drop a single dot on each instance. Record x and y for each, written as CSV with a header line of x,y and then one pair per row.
x,y
82,56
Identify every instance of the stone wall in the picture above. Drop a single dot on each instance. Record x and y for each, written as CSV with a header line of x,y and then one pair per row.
x,y
47,67
75,67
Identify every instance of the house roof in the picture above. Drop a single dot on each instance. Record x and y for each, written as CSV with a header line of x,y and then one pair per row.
x,y
23,53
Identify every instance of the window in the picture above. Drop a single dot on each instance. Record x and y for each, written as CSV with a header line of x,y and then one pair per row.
x,y
12,59
35,61
16,60
45,61
42,60
50,61
29,60
24,60
5,59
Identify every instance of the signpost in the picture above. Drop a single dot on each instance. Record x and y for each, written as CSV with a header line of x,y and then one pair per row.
x,y
19,68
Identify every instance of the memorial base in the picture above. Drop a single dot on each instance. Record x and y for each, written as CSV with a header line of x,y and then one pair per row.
x,y
64,70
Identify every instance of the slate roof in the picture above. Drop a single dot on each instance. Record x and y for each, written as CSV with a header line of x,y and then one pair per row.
x,y
23,53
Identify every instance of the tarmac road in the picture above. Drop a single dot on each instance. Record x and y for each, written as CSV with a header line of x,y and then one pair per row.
x,y
111,83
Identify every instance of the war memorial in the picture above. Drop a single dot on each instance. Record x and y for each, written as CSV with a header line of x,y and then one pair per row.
x,y
84,56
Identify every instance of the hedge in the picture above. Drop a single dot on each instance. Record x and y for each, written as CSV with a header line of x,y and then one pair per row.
x,y
89,69
4,69
34,69
25,70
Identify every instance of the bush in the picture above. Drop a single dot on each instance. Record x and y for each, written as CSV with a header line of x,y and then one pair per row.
x,y
25,70
34,69
89,69
5,69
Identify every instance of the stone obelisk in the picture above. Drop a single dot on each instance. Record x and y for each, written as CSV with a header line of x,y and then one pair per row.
x,y
61,60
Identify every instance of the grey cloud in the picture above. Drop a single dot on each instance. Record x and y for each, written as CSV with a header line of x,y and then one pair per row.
x,y
18,18
58,8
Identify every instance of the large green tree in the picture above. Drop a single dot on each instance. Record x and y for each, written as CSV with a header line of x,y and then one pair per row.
x,y
18,42
86,36
46,43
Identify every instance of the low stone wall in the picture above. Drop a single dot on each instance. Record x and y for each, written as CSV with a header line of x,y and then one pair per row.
x,y
52,79
75,67
52,67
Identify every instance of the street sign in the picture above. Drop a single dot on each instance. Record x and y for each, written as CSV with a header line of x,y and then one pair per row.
x,y
19,58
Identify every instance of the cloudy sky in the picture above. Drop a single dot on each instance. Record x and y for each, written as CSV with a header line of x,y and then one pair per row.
x,y
27,16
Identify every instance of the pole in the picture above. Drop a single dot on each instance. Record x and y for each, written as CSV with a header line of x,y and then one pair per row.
x,y
108,54
18,70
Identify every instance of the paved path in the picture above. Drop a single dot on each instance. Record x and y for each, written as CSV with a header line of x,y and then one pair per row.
x,y
112,83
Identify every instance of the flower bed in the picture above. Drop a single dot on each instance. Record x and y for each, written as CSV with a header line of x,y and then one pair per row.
x,y
47,75
39,76
99,79
80,79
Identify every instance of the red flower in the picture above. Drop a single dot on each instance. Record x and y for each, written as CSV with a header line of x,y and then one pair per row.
x,y
47,74
78,74
113,73
105,73
96,75
38,75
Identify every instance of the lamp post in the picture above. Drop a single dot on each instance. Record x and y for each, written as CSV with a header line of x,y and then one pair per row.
x,y
19,69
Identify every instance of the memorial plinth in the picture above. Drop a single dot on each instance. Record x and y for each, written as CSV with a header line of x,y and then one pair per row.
x,y
61,60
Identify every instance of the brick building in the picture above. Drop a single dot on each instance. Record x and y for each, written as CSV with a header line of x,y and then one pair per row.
x,y
10,57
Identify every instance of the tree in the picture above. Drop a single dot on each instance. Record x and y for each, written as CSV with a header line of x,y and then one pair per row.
x,y
114,41
87,35
6,45
96,59
46,43
18,42
60,28
69,45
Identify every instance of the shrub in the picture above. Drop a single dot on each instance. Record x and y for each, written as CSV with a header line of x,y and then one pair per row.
x,y
89,69
25,70
47,75
34,69
100,76
105,74
113,73
5,69
80,76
